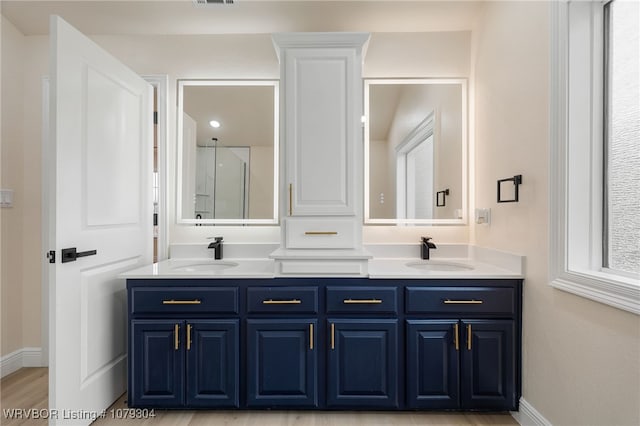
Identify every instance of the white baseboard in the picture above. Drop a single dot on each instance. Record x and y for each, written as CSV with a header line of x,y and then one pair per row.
x,y
25,357
529,416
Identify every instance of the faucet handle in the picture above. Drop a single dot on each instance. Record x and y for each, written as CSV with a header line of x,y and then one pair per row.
x,y
425,239
218,239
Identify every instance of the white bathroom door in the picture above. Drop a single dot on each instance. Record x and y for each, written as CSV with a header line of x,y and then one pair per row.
x,y
101,136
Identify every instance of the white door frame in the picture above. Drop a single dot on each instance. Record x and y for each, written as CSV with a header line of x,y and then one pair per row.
x,y
161,84
47,224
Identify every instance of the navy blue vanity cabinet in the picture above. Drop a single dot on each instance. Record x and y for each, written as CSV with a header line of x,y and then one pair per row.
x,y
212,363
156,364
362,367
433,364
362,362
282,347
463,346
282,363
325,343
192,363
488,365
183,352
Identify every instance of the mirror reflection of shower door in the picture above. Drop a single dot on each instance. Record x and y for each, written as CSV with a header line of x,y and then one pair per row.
x,y
420,180
231,183
205,181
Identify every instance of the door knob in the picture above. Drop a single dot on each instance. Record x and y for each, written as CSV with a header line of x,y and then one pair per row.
x,y
71,254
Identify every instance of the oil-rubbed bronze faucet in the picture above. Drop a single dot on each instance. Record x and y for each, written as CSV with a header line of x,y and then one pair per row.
x,y
217,248
426,245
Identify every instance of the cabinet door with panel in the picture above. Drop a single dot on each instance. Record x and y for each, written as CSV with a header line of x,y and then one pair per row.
x,y
212,363
157,375
433,364
488,365
322,89
177,363
362,366
282,363
468,364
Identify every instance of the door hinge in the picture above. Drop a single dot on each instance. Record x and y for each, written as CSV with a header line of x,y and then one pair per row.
x,y
51,255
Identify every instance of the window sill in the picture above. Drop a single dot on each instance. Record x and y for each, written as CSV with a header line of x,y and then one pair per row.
x,y
613,290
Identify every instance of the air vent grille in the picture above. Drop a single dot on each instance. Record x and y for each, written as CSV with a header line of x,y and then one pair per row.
x,y
213,2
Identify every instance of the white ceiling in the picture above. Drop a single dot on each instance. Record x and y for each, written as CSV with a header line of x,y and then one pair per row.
x,y
252,17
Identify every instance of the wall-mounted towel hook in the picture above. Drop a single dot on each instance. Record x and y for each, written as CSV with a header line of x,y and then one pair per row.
x,y
517,181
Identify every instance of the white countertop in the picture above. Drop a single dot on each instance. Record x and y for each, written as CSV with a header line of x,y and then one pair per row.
x,y
388,262
205,268
399,268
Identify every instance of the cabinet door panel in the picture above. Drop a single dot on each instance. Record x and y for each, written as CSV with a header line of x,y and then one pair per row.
x,y
282,363
157,373
321,88
363,363
213,363
433,372
488,365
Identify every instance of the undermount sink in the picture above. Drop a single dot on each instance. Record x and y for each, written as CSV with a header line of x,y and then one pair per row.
x,y
205,267
430,265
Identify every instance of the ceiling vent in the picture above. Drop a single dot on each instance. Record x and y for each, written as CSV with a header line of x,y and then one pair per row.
x,y
213,2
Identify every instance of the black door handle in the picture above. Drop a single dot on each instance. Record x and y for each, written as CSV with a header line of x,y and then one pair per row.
x,y
71,254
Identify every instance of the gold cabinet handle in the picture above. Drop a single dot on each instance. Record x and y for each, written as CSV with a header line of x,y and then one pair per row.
x,y
456,338
333,336
468,337
462,302
176,338
181,302
310,336
321,233
290,199
362,301
281,302
189,326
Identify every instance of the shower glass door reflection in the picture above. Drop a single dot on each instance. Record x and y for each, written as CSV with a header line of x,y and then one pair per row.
x,y
222,182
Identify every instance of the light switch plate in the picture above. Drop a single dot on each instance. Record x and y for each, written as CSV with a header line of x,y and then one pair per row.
x,y
6,198
483,216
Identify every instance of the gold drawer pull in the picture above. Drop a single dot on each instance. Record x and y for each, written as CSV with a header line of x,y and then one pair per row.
x,y
311,336
281,302
462,302
456,338
333,336
176,337
362,301
321,233
189,337
181,302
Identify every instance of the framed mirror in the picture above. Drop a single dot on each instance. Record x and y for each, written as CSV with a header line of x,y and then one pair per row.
x,y
227,162
415,151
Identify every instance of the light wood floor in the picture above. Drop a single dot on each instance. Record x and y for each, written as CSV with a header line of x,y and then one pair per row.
x,y
27,388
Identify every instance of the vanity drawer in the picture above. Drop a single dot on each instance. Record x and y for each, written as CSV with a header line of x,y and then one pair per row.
x,y
321,233
362,300
460,300
299,300
172,300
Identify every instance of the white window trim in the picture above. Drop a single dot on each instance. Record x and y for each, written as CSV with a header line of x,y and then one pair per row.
x,y
575,181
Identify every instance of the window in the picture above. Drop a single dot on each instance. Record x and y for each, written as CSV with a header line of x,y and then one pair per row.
x,y
595,153
621,137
